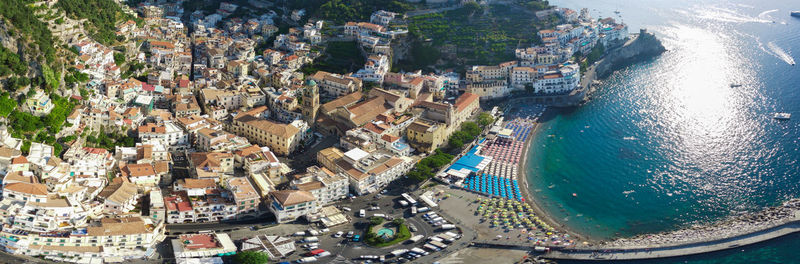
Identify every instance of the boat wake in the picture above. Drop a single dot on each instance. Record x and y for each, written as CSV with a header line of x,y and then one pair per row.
x,y
765,15
730,16
779,53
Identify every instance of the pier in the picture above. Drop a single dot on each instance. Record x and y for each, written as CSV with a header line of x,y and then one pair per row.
x,y
606,254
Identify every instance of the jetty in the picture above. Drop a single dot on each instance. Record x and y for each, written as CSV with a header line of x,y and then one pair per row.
x,y
775,230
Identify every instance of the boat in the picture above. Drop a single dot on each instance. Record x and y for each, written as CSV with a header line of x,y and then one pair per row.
x,y
796,13
782,116
734,85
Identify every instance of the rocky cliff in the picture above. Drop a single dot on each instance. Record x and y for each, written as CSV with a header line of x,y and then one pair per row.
x,y
644,47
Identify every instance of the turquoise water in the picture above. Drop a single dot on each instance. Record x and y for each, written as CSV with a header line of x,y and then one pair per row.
x,y
668,143
385,232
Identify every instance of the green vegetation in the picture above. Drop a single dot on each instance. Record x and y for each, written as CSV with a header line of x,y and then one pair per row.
x,y
341,11
251,257
423,56
73,77
468,132
593,56
375,220
20,14
402,234
103,15
480,35
108,141
340,57
50,77
485,119
23,123
10,63
425,168
7,104
119,58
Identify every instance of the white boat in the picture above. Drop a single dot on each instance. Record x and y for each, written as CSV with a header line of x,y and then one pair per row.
x,y
782,116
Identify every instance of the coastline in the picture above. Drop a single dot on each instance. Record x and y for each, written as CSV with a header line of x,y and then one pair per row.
x,y
523,181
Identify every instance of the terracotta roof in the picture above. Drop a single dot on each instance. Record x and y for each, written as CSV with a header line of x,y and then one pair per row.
x,y
16,176
118,226
341,101
208,159
27,188
197,183
367,110
291,197
465,100
151,128
138,170
19,160
119,192
309,186
277,129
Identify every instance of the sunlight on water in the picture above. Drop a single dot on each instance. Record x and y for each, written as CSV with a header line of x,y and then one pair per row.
x,y
670,142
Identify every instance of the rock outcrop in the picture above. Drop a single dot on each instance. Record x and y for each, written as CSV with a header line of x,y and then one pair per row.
x,y
644,47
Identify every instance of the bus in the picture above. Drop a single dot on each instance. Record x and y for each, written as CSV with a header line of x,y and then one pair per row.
x,y
409,199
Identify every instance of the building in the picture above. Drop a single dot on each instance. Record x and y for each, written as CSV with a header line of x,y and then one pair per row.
x,y
283,139
109,239
426,136
325,185
369,173
288,205
143,175
211,165
336,85
244,195
202,245
328,157
310,101
39,104
119,197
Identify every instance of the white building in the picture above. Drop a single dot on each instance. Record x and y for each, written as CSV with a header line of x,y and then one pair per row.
x,y
202,245
325,185
288,205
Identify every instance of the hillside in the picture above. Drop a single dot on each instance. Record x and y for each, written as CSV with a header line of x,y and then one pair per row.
x,y
476,34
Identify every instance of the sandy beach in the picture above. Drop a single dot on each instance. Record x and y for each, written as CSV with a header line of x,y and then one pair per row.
x,y
523,180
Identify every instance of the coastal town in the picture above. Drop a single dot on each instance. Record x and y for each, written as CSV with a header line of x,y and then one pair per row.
x,y
216,143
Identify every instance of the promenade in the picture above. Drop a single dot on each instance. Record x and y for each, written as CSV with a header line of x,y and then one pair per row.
x,y
675,251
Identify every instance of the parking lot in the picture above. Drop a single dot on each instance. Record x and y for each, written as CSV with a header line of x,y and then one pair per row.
x,y
388,205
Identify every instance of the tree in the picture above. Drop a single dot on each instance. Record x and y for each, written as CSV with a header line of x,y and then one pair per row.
x,y
251,257
398,221
471,129
455,142
374,221
485,119
119,58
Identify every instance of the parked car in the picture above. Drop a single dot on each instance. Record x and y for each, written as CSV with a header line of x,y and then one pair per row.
x,y
338,234
362,213
356,238
412,227
346,209
350,234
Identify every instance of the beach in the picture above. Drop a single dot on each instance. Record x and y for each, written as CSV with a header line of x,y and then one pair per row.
x,y
523,178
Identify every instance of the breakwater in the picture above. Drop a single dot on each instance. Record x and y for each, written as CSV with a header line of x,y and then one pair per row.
x,y
734,232
644,46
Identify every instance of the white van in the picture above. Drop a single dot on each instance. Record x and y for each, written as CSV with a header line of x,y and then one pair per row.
x,y
362,213
379,215
310,239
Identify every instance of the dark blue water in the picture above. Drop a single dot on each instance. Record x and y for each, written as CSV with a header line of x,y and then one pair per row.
x,y
668,143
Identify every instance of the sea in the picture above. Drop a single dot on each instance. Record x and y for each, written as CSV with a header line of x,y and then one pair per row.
x,y
670,142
